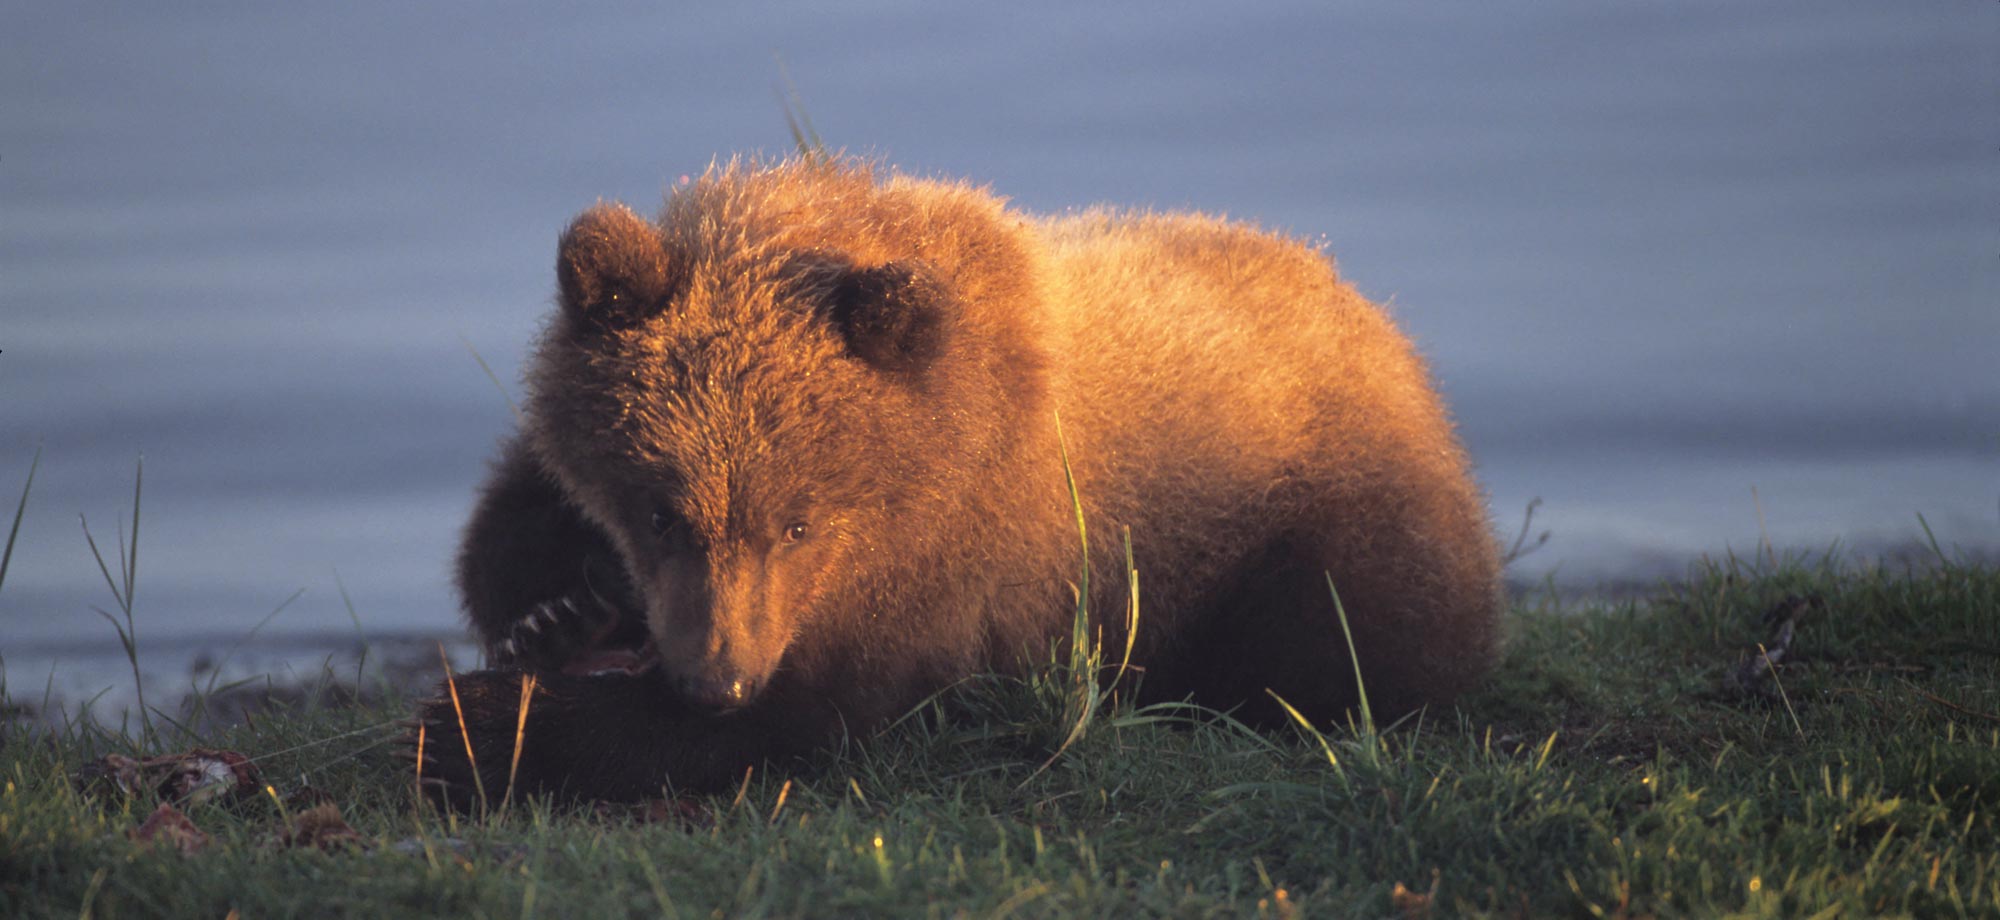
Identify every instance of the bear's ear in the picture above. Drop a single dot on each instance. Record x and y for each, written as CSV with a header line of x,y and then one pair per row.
x,y
612,265
891,315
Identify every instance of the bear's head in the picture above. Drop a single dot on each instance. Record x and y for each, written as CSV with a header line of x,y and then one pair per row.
x,y
774,399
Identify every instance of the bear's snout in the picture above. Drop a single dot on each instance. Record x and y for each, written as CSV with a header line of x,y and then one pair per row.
x,y
718,693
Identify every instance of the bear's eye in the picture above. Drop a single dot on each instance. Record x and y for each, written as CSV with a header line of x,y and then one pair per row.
x,y
661,521
795,532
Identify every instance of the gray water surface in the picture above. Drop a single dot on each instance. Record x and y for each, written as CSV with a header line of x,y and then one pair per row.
x,y
1659,255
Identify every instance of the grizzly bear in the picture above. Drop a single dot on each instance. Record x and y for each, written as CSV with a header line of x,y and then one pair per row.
x,y
790,464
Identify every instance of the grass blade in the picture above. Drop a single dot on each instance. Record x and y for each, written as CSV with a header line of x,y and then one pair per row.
x,y
490,375
804,136
1360,686
520,735
132,562
1944,561
19,510
109,582
471,760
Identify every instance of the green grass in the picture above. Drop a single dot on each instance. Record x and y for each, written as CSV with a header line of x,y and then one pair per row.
x,y
1609,768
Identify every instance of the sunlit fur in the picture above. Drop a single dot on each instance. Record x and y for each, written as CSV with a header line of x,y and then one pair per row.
x,y
1253,421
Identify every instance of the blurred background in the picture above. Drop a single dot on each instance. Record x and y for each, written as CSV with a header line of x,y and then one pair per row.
x,y
1659,255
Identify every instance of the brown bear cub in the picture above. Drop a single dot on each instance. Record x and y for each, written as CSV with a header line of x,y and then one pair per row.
x,y
790,464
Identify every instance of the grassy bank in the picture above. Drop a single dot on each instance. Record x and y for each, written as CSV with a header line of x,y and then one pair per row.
x,y
1624,761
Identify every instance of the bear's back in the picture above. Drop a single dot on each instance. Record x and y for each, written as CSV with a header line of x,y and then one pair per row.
x,y
1227,346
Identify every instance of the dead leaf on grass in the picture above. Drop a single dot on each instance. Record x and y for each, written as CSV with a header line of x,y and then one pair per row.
x,y
166,825
320,827
1413,905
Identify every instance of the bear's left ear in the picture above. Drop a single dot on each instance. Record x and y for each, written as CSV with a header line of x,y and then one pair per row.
x,y
612,265
891,315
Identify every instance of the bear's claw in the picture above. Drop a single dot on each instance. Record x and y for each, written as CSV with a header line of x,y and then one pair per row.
x,y
555,633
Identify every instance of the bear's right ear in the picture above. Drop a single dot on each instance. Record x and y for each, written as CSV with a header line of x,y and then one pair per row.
x,y
612,265
891,315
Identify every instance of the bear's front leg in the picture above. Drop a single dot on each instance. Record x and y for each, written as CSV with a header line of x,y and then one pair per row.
x,y
542,585
615,737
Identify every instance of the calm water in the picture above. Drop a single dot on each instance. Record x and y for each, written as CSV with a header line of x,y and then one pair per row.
x,y
1659,256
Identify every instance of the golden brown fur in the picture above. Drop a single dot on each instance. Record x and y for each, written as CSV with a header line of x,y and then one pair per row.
x,y
804,429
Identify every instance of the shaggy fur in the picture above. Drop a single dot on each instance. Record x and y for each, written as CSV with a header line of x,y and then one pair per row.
x,y
801,433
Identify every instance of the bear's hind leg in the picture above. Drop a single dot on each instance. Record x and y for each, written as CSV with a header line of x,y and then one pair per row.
x,y
1423,614
1418,581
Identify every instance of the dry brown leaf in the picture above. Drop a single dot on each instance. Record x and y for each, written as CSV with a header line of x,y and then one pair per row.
x,y
1414,905
320,827
166,825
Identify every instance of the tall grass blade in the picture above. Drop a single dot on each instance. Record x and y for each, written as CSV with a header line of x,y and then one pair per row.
x,y
520,736
20,510
490,375
1306,725
1084,696
122,590
1077,682
1521,545
132,561
360,634
1360,686
458,709
1131,609
109,582
1944,561
1764,655
804,136
1080,624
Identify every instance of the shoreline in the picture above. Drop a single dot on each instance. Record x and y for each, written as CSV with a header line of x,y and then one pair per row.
x,y
53,684
61,679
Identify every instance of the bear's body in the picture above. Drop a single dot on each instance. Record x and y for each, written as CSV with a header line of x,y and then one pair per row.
x,y
800,439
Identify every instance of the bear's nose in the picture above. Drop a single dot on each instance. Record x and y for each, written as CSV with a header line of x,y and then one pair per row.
x,y
717,693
